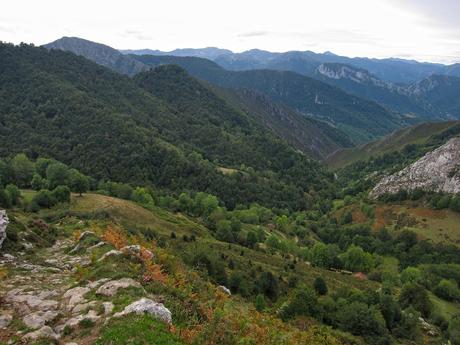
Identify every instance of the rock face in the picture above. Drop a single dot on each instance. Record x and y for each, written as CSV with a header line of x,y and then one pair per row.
x,y
3,224
437,171
145,305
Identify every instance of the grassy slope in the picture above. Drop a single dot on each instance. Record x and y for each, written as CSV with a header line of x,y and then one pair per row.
x,y
392,142
93,211
163,222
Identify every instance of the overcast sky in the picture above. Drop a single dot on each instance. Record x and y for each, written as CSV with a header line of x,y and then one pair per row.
x,y
427,30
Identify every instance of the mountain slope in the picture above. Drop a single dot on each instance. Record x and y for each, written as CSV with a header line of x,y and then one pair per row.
x,y
207,53
394,70
315,138
392,142
361,83
106,124
437,171
439,93
320,134
102,54
306,62
361,119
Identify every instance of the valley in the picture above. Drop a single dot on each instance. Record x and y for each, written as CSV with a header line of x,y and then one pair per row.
x,y
205,197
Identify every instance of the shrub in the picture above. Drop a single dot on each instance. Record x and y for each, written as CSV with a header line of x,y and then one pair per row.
x,y
61,194
304,302
260,303
416,296
360,319
411,275
320,286
448,290
44,198
13,193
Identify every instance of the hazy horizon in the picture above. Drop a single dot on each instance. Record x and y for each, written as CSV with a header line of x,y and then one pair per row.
x,y
418,30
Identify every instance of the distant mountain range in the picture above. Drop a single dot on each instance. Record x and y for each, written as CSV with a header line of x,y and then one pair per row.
x,y
362,120
393,83
363,98
306,63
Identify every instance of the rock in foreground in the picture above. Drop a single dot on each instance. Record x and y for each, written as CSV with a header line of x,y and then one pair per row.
x,y
145,305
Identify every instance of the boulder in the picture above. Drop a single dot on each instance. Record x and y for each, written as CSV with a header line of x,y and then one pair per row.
x,y
5,320
39,319
97,283
3,224
83,307
108,307
74,321
112,252
225,290
75,296
111,287
45,332
145,305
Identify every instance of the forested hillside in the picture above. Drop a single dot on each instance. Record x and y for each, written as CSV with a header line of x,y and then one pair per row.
x,y
362,120
139,131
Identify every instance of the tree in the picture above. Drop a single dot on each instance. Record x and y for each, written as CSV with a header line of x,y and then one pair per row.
x,y
319,255
347,218
79,183
304,302
454,330
224,231
455,203
282,222
268,285
408,326
44,198
5,200
142,196
38,182
41,164
57,174
320,286
260,303
61,194
356,259
238,283
23,169
359,319
185,202
14,194
411,275
415,295
251,239
390,310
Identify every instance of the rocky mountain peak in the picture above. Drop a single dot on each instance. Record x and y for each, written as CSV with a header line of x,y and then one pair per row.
x,y
437,171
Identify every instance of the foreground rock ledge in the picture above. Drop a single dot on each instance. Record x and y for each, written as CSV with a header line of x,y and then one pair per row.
x,y
147,306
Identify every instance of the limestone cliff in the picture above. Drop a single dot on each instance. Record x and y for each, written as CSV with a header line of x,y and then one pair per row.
x,y
437,171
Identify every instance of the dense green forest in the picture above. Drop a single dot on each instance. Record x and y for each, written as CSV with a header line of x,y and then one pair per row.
x,y
361,119
139,130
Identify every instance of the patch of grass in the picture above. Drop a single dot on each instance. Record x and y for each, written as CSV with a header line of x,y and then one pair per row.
x,y
137,330
444,308
86,323
122,298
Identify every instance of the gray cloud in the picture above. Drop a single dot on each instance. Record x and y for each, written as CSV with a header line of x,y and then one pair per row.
x,y
254,34
137,34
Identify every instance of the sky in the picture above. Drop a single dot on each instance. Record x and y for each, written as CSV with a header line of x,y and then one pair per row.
x,y
424,30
